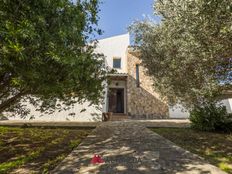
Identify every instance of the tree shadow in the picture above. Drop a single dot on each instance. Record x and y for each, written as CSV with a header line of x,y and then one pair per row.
x,y
129,151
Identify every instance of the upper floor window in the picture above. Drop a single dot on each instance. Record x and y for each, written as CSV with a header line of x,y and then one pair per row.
x,y
117,63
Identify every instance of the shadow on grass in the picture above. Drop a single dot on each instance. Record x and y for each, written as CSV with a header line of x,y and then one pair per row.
x,y
214,147
36,149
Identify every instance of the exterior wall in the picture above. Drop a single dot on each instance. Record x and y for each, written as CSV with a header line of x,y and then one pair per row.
x,y
178,111
228,104
91,113
115,47
143,101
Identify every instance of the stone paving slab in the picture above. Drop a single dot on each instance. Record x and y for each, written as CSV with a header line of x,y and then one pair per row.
x,y
131,148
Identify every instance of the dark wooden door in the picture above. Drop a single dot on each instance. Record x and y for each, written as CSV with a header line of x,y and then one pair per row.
x,y
116,100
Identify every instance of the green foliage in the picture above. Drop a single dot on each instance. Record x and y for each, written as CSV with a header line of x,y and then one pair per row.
x,y
74,143
210,117
188,53
45,54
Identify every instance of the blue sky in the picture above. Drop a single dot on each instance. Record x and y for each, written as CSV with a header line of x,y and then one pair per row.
x,y
117,15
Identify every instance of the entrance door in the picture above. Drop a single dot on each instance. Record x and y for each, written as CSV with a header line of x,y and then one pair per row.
x,y
116,100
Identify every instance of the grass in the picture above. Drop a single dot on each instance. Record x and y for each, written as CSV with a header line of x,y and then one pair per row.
x,y
214,147
37,150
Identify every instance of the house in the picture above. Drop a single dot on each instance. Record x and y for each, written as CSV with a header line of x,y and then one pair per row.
x,y
128,93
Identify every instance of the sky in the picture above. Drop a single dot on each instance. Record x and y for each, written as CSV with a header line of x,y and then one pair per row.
x,y
117,15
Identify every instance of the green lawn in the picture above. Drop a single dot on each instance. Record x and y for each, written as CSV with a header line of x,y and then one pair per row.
x,y
214,147
38,150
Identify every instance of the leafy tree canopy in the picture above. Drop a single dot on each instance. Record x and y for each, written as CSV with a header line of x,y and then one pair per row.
x,y
188,53
45,56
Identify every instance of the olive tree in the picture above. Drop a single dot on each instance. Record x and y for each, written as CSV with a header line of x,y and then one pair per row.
x,y
188,53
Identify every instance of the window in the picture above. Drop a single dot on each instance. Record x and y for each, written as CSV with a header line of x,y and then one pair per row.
x,y
117,63
137,76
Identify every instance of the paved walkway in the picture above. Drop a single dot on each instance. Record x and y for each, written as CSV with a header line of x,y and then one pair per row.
x,y
130,148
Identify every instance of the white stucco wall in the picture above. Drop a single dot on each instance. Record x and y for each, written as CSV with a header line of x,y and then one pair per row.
x,y
228,104
115,47
179,112
91,113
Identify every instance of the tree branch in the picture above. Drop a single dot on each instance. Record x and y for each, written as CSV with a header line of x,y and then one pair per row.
x,y
11,101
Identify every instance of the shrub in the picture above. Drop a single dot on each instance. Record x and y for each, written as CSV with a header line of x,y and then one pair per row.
x,y
211,117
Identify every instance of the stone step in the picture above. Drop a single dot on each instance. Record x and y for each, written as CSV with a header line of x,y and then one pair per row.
x,y
119,117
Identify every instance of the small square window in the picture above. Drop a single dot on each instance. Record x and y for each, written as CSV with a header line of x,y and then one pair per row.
x,y
117,63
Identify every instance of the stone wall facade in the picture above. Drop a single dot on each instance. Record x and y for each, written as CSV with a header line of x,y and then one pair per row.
x,y
143,101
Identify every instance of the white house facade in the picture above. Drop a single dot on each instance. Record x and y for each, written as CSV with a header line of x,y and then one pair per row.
x,y
129,93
